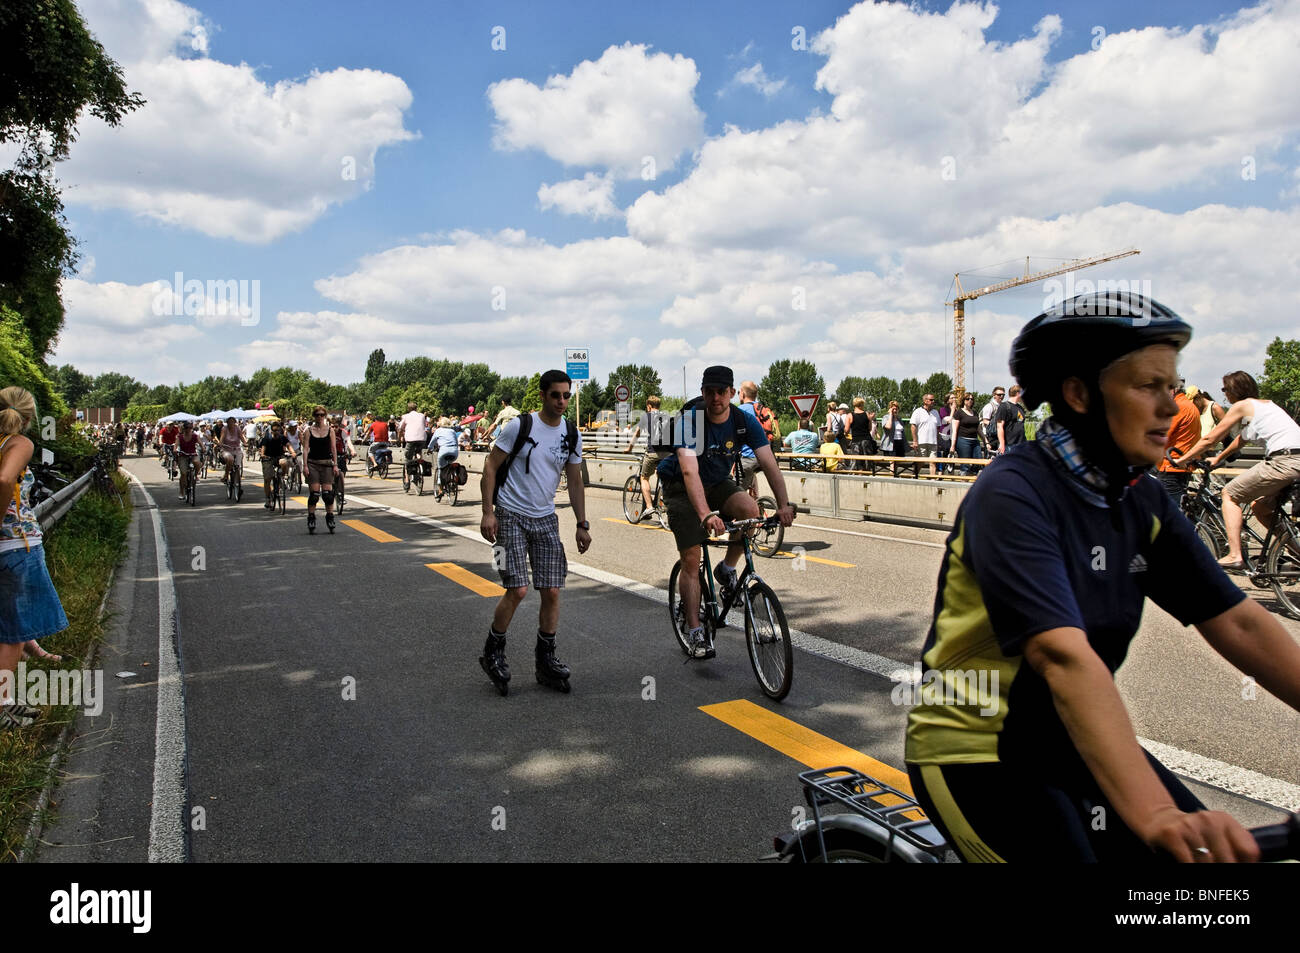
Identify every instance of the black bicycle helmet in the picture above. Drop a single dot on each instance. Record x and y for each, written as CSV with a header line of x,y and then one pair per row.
x,y
1080,337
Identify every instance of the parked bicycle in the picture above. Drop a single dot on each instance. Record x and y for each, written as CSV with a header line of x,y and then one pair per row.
x,y
766,633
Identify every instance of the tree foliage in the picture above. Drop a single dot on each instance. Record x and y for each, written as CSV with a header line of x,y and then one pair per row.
x,y
642,379
787,378
51,69
1281,380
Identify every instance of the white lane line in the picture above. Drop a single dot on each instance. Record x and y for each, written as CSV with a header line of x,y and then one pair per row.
x,y
167,820
888,539
1228,777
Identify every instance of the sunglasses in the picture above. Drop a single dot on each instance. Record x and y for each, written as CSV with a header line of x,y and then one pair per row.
x,y
556,395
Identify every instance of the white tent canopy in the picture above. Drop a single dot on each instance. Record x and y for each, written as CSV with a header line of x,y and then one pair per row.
x,y
177,418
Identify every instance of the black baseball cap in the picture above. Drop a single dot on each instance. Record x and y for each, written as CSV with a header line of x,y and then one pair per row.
x,y
719,375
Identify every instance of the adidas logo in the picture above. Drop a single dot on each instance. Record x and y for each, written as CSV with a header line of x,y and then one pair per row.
x,y
1139,564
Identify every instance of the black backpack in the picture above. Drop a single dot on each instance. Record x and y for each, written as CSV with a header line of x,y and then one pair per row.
x,y
569,442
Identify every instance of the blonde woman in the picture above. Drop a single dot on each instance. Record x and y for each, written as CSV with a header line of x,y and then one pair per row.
x,y
29,606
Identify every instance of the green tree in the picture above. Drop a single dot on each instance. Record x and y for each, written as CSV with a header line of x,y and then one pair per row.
x,y
532,394
51,69
20,368
112,390
879,391
1281,380
940,385
595,399
375,366
787,378
641,378
910,392
71,384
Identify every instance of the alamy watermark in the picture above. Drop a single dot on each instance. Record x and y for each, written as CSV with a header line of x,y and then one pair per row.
x,y
968,688
1059,297
215,298
83,689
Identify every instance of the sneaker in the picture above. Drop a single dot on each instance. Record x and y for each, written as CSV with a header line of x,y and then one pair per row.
x,y
701,646
726,577
663,519
269,505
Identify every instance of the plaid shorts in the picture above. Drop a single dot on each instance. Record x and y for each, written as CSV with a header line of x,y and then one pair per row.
x,y
522,540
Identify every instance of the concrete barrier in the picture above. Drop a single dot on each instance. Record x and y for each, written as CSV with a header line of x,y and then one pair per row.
x,y
927,503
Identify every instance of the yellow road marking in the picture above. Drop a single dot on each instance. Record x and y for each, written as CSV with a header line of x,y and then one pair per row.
x,y
299,499
805,745
472,582
818,559
372,532
654,526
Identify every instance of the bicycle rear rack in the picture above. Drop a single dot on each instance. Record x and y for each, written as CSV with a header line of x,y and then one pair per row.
x,y
857,792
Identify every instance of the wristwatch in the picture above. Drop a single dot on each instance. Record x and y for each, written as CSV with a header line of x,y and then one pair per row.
x,y
584,525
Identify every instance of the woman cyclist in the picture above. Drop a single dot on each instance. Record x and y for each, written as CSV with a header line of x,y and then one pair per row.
x,y
1040,592
444,440
320,466
1265,482
232,452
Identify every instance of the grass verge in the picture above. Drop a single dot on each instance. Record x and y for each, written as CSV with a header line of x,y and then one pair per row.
x,y
80,553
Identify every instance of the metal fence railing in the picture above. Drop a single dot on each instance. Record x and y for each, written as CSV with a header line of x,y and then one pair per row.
x,y
50,511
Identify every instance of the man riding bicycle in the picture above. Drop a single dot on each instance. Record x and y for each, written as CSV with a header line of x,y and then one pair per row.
x,y
699,490
1052,555
413,430
651,459
276,451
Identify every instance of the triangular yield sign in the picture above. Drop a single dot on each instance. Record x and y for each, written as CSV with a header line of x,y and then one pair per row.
x,y
804,404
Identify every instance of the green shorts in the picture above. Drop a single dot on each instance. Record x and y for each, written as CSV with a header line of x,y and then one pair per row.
x,y
682,518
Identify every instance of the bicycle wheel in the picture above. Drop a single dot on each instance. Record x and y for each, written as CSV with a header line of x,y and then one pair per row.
x,y
418,479
230,485
339,497
767,542
633,501
383,470
677,615
1284,558
1209,534
453,491
406,478
768,638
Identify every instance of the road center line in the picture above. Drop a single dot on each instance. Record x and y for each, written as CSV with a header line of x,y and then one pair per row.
x,y
373,532
472,582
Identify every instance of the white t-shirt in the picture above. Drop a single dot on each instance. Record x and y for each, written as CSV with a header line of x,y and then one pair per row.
x,y
535,474
250,431
989,410
1273,426
927,425
414,424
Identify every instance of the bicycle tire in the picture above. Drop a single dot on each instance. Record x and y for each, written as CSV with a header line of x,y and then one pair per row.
x,y
230,486
842,847
1213,540
453,490
406,478
633,501
383,470
768,637
767,542
1284,556
418,479
674,605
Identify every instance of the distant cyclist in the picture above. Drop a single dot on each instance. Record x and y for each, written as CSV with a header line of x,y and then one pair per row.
x,y
1053,553
448,449
651,459
276,452
413,430
699,490
1264,483
188,447
232,450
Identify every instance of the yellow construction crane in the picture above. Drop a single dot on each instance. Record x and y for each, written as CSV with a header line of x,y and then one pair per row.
x,y
959,303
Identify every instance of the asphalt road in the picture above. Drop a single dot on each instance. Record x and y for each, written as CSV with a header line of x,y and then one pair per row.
x,y
334,708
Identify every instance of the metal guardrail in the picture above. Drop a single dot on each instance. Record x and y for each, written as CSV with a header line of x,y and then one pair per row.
x,y
48,512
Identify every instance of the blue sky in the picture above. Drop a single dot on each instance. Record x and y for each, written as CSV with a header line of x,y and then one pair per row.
x,y
1064,141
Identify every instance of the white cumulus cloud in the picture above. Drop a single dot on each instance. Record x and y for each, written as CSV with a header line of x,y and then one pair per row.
x,y
218,150
611,112
591,196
